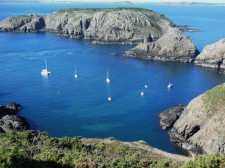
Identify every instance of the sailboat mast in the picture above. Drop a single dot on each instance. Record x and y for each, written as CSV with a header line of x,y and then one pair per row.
x,y
46,64
107,74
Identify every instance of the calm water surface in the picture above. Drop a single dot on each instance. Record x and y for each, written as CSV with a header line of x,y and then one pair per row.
x,y
64,106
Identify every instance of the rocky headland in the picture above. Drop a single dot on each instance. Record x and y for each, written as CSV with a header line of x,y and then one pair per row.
x,y
212,56
171,46
156,36
200,127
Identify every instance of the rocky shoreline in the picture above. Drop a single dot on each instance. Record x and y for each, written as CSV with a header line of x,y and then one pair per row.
x,y
170,116
9,121
199,127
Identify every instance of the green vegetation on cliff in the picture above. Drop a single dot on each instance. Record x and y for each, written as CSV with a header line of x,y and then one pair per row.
x,y
39,150
29,149
214,99
207,161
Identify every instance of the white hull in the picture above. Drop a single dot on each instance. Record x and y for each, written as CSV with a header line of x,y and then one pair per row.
x,y
107,80
45,72
170,85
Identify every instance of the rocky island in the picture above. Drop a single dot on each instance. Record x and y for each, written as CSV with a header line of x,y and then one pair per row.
x,y
157,37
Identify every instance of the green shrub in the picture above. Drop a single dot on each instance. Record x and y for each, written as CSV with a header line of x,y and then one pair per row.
x,y
207,161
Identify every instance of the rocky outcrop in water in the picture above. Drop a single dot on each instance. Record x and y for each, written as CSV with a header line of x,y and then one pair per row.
x,y
9,121
11,109
170,116
212,56
13,123
201,126
172,46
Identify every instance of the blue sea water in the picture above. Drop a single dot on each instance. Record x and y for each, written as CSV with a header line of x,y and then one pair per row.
x,y
64,106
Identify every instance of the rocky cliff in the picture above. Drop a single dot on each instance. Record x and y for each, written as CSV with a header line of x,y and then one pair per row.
x,y
201,126
171,46
118,25
212,56
155,34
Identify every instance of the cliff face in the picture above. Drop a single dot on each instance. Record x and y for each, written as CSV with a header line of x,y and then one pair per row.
x,y
101,25
212,56
201,126
155,34
172,46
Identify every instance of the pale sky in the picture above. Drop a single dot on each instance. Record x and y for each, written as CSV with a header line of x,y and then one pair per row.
x,y
133,1
137,1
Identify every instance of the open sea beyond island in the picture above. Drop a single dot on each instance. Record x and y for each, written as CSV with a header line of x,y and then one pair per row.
x,y
65,106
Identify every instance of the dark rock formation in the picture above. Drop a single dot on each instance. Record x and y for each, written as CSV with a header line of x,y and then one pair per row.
x,y
11,109
9,121
13,123
172,46
14,107
212,56
169,117
201,126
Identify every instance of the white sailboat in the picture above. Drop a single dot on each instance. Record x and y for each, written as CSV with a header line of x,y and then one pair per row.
x,y
75,76
107,77
45,71
146,86
109,97
142,93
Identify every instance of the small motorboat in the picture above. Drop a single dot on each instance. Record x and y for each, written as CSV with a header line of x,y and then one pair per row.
x,y
170,85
